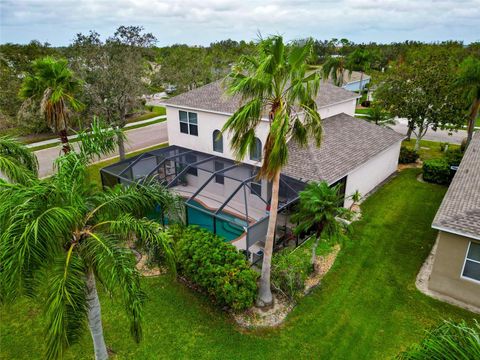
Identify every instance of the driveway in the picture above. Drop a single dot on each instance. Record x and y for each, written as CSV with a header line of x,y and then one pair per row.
x,y
453,137
137,139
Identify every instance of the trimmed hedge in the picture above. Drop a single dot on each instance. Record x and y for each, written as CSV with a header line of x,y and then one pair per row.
x,y
407,155
437,171
215,266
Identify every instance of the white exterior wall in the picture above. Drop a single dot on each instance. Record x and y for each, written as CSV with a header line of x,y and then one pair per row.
x,y
347,107
209,122
370,174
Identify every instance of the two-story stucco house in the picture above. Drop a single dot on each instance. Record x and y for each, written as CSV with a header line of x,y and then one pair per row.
x,y
225,195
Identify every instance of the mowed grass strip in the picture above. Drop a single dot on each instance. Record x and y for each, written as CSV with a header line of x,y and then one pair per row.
x,y
367,306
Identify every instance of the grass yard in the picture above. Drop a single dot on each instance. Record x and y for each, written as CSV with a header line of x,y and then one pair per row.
x,y
366,308
94,170
429,149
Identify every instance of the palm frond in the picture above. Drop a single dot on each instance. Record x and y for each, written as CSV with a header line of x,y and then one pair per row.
x,y
114,264
16,150
66,306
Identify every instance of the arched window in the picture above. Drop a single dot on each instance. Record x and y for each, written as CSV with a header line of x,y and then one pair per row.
x,y
217,141
256,150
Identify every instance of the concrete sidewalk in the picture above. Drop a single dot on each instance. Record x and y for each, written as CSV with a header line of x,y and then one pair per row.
x,y
137,139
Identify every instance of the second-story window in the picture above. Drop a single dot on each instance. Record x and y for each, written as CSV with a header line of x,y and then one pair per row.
x,y
188,122
217,141
256,150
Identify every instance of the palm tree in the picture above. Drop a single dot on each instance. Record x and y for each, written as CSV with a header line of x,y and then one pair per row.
x,y
53,84
359,60
449,341
377,115
17,162
59,237
334,68
318,210
469,80
274,82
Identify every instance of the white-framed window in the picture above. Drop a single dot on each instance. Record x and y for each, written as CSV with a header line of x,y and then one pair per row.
x,y
188,122
256,150
217,141
471,267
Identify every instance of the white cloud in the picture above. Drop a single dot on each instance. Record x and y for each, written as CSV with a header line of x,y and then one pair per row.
x,y
200,22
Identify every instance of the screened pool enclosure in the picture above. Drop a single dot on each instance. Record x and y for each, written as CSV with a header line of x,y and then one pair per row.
x,y
221,195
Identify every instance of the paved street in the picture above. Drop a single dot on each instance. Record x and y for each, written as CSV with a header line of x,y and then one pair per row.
x,y
454,137
140,138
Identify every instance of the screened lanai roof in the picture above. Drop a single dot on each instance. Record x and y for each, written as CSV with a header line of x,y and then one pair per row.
x,y
240,193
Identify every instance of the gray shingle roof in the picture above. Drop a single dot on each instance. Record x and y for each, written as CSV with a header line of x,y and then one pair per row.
x,y
460,208
347,143
211,97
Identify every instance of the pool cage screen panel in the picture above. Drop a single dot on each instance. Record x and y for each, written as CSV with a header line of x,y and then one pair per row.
x,y
224,196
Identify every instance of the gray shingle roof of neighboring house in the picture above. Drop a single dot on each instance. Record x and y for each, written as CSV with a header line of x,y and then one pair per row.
x,y
460,208
353,77
347,143
211,97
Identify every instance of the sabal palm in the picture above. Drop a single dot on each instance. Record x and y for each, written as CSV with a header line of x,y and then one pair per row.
x,y
318,209
334,68
54,85
469,80
275,88
359,60
17,162
59,236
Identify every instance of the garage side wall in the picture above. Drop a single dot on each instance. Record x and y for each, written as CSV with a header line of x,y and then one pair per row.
x,y
447,269
370,174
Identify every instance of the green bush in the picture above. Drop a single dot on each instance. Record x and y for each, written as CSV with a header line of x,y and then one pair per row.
x,y
289,272
453,157
437,171
215,266
407,155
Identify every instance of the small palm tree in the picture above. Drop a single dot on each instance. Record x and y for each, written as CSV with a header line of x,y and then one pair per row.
x,y
356,197
469,80
53,84
318,210
334,68
379,116
449,341
359,60
274,82
59,237
17,162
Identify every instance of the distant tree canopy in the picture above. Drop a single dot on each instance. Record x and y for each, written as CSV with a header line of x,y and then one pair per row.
x,y
154,68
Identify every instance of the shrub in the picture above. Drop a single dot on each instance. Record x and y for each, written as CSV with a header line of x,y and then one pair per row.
x,y
437,171
454,157
365,103
290,271
215,266
407,155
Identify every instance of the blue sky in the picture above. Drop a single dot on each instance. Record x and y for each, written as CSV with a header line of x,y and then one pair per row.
x,y
203,21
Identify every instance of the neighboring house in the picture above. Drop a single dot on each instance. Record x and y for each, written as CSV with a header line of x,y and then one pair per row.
x,y
226,196
456,266
351,82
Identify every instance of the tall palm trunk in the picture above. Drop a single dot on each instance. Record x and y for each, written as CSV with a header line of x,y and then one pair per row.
x,y
472,119
95,319
359,100
314,250
265,293
64,140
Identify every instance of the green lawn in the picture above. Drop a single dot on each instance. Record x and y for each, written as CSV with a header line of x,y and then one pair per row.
x,y
94,170
366,308
429,149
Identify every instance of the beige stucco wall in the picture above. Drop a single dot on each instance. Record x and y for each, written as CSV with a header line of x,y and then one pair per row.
x,y
447,270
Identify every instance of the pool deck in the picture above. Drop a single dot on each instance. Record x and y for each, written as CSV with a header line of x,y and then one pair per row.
x,y
213,201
